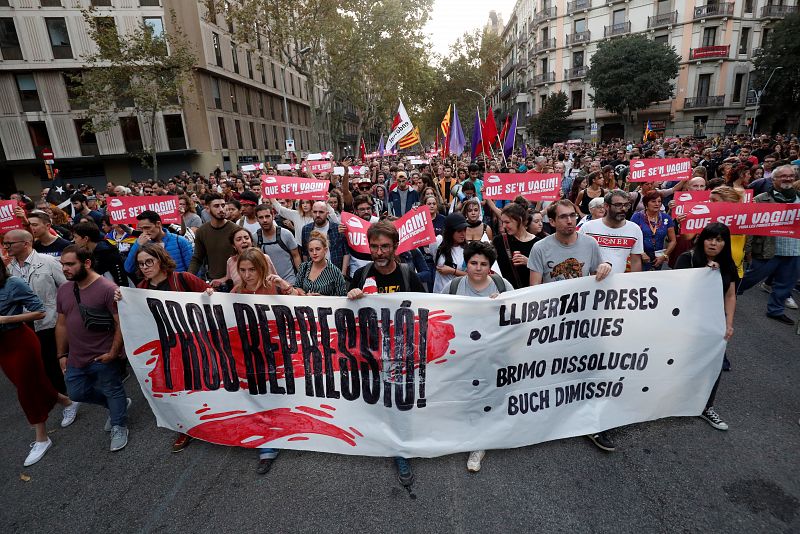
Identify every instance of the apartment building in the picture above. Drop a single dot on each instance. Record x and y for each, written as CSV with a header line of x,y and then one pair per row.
x,y
245,101
549,45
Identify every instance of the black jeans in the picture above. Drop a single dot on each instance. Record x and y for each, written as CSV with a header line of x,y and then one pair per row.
x,y
47,338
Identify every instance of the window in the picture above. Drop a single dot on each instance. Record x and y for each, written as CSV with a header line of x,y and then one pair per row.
x,y
48,3
264,136
542,100
248,102
263,72
107,28
543,66
703,85
215,93
173,124
101,3
271,108
28,94
260,98
577,100
663,7
156,25
709,36
577,59
149,3
748,6
738,85
40,139
124,98
663,39
131,134
291,77
274,79
223,136
744,40
234,104
545,34
765,37
86,138
618,17
580,25
217,49
275,137
249,65
253,135
9,42
71,84
238,127
59,38
235,57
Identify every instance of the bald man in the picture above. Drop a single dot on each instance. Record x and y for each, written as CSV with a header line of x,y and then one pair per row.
x,y
44,275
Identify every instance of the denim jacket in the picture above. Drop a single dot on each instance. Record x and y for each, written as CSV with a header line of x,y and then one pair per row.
x,y
16,297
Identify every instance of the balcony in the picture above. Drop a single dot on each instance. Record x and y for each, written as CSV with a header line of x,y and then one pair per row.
x,y
505,92
618,29
522,39
751,99
709,52
578,5
578,38
545,77
664,19
545,14
508,68
777,12
710,11
522,64
547,44
699,102
575,73
529,86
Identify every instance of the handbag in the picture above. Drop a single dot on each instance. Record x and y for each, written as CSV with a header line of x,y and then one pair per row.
x,y
94,319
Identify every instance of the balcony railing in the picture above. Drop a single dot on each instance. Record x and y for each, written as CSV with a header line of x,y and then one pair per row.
x,y
547,44
618,29
506,91
697,102
578,5
508,68
664,19
522,64
575,72
578,38
522,39
529,85
777,12
545,14
724,9
543,78
709,52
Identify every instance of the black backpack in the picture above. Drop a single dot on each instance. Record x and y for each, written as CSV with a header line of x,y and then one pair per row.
x,y
278,241
498,281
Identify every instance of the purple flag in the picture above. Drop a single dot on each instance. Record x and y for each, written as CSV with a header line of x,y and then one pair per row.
x,y
524,151
511,138
476,135
380,146
457,141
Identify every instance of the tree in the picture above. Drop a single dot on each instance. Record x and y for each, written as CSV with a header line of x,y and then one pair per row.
x,y
550,124
630,73
147,71
781,101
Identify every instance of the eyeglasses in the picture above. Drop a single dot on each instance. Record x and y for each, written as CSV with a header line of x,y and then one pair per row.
x,y
7,244
149,262
622,205
386,247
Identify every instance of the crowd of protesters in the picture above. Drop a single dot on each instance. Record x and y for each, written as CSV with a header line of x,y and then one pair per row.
x,y
64,267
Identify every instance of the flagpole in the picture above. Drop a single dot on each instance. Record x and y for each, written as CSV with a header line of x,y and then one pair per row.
x,y
514,133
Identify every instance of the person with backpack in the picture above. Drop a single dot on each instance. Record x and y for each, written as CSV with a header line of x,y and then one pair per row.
x,y
278,244
385,274
478,282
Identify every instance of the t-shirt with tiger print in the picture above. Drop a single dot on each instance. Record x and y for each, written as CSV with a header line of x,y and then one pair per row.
x,y
556,261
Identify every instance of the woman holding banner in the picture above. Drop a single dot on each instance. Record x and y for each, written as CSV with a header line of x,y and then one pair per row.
x,y
242,240
713,249
514,244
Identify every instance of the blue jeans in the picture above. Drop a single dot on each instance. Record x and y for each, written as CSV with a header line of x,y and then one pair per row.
x,y
785,270
99,383
265,453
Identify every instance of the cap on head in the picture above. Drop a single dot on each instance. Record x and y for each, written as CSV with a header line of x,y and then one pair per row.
x,y
455,221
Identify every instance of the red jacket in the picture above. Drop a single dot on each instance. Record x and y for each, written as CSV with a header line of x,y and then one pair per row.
x,y
183,282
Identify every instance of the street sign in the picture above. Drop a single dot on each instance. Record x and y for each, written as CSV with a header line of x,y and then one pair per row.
x,y
290,145
47,154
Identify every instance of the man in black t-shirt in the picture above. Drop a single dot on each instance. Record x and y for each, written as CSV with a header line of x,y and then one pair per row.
x,y
385,274
45,241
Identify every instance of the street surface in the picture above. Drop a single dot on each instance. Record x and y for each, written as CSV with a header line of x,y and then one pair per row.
x,y
672,475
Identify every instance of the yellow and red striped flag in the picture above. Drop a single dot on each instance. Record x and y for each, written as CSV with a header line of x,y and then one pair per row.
x,y
409,140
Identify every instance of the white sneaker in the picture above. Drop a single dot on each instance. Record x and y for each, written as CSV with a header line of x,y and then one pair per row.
x,y
38,448
69,414
474,461
790,303
107,426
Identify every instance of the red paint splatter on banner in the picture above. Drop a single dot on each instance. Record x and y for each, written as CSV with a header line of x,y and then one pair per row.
x,y
201,410
314,411
356,432
257,429
440,333
221,414
298,438
327,407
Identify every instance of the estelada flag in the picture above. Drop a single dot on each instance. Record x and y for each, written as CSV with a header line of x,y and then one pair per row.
x,y
445,126
409,140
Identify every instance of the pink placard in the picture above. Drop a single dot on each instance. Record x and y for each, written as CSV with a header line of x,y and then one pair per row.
x,y
9,221
318,167
755,218
660,170
123,210
294,188
532,186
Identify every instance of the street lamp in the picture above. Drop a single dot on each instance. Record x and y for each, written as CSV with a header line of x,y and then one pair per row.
x,y
758,99
480,95
303,51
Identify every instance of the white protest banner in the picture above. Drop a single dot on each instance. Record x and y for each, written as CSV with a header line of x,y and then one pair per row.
x,y
532,186
355,169
318,167
684,198
293,187
660,170
123,210
253,167
328,374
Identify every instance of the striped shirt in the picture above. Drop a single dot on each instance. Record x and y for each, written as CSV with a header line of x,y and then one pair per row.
x,y
330,281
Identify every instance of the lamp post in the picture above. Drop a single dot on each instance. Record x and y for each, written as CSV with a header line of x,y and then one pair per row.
x,y
303,51
758,99
480,95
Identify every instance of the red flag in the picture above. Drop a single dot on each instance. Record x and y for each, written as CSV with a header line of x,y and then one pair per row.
x,y
489,133
503,133
362,150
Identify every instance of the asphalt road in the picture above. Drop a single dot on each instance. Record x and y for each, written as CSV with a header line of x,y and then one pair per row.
x,y
671,475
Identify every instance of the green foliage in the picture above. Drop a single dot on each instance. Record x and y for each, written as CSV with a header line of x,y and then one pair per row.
x,y
138,73
630,73
782,97
550,124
